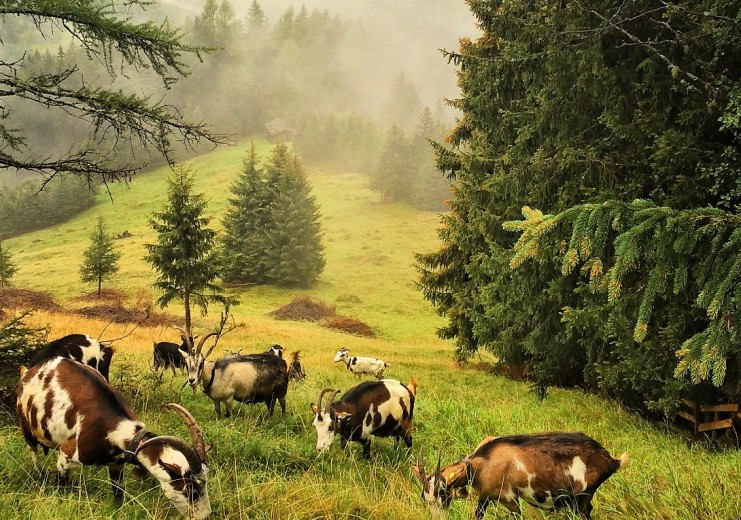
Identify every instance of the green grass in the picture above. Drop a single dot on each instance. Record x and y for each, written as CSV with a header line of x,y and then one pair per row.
x,y
269,470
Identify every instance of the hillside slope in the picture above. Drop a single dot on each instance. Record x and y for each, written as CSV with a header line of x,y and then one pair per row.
x,y
369,246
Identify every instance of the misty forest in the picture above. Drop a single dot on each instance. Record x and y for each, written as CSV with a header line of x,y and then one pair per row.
x,y
493,246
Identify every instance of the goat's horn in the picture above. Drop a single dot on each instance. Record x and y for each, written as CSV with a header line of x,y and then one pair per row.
x,y
329,401
195,430
321,396
186,338
203,340
421,466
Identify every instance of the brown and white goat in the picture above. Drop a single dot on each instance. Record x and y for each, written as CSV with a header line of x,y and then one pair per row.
x,y
81,348
67,406
381,408
549,470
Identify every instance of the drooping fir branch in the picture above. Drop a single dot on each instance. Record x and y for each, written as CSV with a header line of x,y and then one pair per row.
x,y
102,27
106,31
666,252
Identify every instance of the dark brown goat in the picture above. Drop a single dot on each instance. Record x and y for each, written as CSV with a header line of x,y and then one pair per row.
x,y
549,470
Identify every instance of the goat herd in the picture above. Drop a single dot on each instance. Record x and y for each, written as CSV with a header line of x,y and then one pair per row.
x,y
64,402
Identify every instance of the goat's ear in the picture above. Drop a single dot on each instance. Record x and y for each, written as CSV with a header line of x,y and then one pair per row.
x,y
183,353
415,470
314,408
207,448
453,473
172,469
342,415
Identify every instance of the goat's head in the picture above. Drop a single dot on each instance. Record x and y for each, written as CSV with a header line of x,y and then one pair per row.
x,y
341,354
179,467
440,488
276,350
195,358
326,422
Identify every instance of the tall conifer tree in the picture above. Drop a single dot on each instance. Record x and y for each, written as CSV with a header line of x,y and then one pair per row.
x,y
7,267
185,256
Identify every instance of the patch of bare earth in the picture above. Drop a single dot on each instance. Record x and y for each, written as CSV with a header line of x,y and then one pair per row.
x,y
12,298
302,308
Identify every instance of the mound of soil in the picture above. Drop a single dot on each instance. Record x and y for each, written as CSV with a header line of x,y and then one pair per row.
x,y
348,298
120,314
27,299
108,295
303,309
350,326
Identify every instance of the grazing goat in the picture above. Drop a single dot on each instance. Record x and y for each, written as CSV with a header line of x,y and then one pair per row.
x,y
381,408
166,354
361,365
69,407
295,370
80,348
253,378
549,470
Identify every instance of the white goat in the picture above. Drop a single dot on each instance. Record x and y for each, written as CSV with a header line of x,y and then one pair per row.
x,y
361,365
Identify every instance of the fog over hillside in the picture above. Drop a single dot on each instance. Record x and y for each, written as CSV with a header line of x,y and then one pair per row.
x,y
399,36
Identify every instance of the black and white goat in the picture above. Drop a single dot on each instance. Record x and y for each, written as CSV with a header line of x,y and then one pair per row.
x,y
69,407
252,378
81,348
381,408
359,365
275,350
549,470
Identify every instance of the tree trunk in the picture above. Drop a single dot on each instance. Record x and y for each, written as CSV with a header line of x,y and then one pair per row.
x,y
100,283
186,302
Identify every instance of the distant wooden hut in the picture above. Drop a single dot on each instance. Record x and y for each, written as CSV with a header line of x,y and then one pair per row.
x,y
278,130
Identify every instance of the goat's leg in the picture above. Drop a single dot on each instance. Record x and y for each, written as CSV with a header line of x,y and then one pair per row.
x,y
366,448
282,401
512,504
65,462
270,402
481,506
115,472
228,405
584,504
217,405
35,458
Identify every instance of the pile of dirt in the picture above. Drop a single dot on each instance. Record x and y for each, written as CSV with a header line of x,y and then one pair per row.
x,y
118,313
303,309
106,295
27,299
350,326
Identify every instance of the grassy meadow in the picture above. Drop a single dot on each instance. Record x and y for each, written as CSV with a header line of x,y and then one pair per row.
x,y
269,469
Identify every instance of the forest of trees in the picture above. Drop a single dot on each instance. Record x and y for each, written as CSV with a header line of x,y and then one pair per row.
x,y
623,122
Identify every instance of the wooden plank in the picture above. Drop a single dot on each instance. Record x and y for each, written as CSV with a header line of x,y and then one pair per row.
x,y
714,425
720,408
687,402
688,416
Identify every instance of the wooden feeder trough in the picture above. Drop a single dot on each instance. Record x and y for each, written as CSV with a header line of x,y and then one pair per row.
x,y
709,418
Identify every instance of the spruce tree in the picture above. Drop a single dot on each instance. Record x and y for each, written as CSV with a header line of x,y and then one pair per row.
x,y
246,224
100,258
577,104
395,173
295,254
256,19
7,267
185,256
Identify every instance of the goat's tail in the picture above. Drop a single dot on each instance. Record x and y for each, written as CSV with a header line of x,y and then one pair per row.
x,y
412,386
624,460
